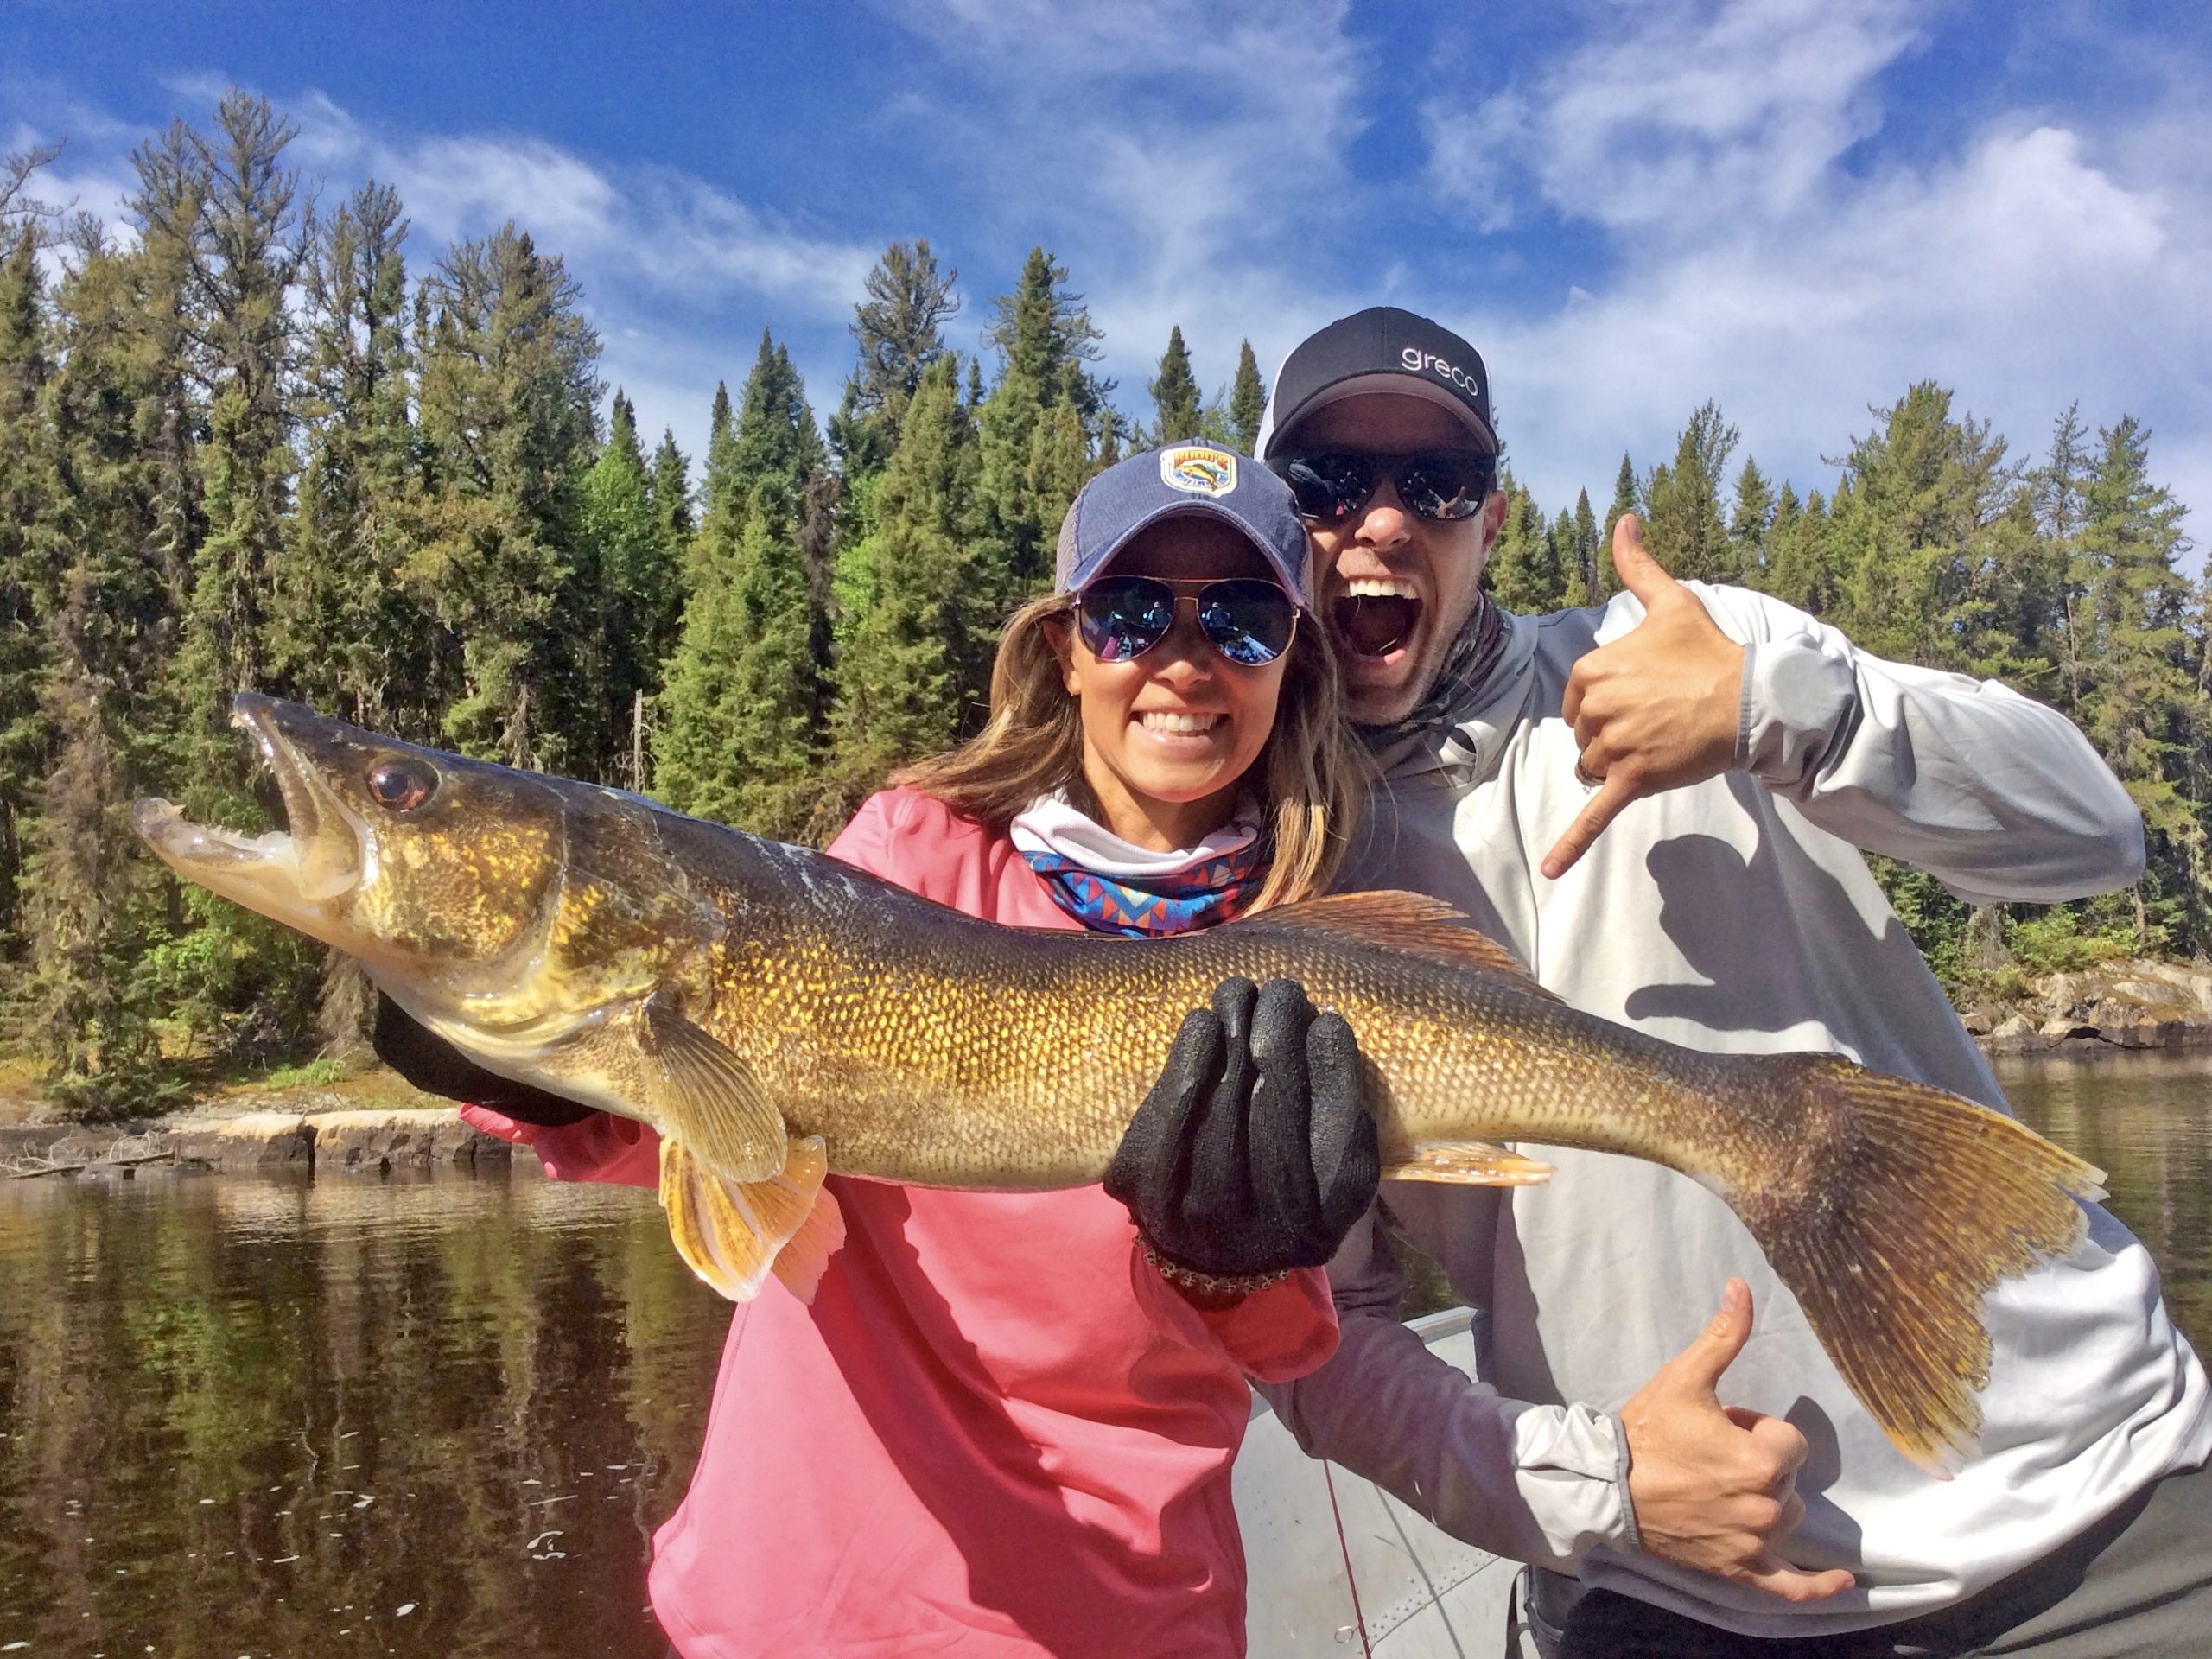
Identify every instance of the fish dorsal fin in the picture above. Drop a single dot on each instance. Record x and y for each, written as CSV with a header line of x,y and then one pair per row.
x,y
708,1097
733,1233
1406,922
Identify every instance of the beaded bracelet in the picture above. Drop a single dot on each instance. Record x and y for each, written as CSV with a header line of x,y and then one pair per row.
x,y
1210,1284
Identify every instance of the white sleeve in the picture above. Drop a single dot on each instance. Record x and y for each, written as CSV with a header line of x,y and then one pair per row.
x,y
1997,796
1540,1483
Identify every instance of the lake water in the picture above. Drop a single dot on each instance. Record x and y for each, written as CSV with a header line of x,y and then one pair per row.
x,y
441,1415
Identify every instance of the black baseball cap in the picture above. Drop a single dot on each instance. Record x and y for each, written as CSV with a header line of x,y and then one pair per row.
x,y
1380,349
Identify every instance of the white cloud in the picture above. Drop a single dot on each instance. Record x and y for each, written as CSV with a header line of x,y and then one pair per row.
x,y
1759,263
1177,153
616,227
1679,117
2023,276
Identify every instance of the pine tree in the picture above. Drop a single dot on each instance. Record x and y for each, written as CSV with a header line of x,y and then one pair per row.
x,y
26,582
1748,521
507,400
1798,570
223,241
1589,558
1010,535
669,493
1684,529
1923,568
1174,394
1525,574
1628,497
735,740
1566,554
2060,486
776,444
899,330
639,603
819,529
347,635
1044,331
2143,694
245,252
108,949
1247,402
909,675
739,725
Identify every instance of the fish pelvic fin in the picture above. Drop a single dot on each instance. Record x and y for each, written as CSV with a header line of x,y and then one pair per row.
x,y
708,1097
1409,923
1469,1163
1907,1205
733,1233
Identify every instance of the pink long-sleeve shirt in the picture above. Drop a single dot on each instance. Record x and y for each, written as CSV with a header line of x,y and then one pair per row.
x,y
997,1432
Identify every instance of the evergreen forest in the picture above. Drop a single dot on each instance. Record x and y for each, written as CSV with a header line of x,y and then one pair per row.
x,y
264,440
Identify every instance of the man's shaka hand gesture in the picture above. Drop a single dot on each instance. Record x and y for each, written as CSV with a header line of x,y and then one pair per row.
x,y
1656,708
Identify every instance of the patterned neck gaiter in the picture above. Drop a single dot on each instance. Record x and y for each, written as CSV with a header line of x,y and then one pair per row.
x,y
1111,887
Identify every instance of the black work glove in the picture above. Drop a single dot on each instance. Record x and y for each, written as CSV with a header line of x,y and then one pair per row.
x,y
436,1067
1254,1152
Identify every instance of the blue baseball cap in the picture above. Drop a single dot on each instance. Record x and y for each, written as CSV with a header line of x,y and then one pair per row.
x,y
1194,479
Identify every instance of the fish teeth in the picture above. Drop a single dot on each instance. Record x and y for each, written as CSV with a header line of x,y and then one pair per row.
x,y
1380,587
1169,720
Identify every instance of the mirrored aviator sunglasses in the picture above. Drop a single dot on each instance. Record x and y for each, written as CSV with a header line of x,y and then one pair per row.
x,y
1331,486
1248,620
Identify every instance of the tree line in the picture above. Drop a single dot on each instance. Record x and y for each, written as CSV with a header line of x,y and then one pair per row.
x,y
250,445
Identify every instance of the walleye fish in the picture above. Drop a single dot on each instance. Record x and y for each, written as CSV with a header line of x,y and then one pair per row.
x,y
775,1015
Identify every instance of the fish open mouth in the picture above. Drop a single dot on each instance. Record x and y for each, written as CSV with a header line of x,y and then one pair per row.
x,y
1375,625
316,856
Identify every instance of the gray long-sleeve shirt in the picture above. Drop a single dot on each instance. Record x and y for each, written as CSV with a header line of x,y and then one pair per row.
x,y
1738,915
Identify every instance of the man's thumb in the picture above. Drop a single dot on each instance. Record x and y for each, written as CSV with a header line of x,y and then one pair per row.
x,y
1714,1349
1639,572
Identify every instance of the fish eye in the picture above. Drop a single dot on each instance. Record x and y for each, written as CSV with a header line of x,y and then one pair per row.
x,y
400,787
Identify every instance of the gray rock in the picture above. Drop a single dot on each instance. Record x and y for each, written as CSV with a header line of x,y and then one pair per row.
x,y
249,1141
399,1139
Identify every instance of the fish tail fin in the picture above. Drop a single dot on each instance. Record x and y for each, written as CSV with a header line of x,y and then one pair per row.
x,y
733,1233
1909,1209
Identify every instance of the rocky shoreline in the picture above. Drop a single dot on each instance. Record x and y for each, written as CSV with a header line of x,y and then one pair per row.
x,y
345,1141
2113,1007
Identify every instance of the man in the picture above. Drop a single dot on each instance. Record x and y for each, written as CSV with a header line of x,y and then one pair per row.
x,y
1659,803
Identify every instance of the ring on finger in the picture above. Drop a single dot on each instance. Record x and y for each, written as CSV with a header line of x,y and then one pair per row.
x,y
1584,776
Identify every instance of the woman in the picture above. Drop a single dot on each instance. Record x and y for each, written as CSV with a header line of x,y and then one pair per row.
x,y
1004,1425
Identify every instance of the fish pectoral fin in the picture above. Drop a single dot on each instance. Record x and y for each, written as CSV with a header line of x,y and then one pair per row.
x,y
1405,922
708,1098
1469,1163
733,1233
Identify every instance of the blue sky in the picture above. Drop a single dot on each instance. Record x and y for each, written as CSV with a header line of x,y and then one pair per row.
x,y
1794,207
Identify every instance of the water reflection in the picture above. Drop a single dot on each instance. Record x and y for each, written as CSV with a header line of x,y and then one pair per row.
x,y
2147,1120
265,1415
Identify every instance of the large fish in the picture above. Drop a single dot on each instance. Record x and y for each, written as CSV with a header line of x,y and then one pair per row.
x,y
775,1015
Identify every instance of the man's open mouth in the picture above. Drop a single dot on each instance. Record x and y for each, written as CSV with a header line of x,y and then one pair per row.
x,y
1375,615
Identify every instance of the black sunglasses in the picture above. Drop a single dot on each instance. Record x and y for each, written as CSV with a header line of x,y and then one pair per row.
x,y
1248,620
1331,486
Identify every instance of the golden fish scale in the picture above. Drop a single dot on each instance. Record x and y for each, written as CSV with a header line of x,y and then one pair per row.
x,y
930,1048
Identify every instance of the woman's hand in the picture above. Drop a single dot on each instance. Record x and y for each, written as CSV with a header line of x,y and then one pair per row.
x,y
436,1067
1254,1153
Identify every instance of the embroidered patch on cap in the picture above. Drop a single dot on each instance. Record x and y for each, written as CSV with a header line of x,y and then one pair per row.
x,y
1199,469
